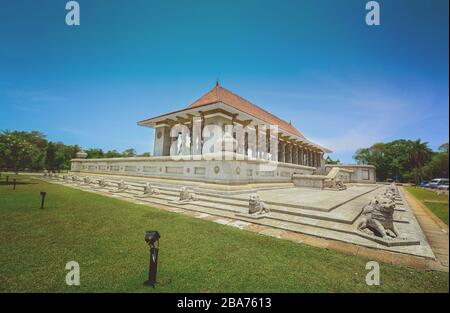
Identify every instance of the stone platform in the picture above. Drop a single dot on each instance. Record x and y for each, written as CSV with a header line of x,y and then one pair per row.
x,y
326,214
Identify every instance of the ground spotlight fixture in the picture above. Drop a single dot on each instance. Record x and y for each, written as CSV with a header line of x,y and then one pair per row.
x,y
43,194
7,178
14,184
152,238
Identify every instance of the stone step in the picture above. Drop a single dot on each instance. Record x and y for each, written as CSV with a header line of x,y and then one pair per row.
x,y
338,228
232,204
300,225
283,216
242,206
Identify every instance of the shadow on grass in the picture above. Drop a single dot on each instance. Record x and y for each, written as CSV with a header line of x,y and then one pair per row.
x,y
10,183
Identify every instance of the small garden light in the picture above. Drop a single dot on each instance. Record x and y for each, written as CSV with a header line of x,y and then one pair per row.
x,y
152,238
43,194
14,184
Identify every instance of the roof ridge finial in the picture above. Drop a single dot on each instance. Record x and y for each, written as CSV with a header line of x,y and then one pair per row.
x,y
217,82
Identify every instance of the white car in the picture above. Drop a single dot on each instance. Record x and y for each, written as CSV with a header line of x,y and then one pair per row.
x,y
441,183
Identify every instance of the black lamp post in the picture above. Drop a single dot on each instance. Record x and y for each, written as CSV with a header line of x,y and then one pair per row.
x,y
43,194
152,238
14,184
7,179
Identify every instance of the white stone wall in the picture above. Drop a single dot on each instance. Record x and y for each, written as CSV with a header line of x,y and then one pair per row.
x,y
215,171
361,173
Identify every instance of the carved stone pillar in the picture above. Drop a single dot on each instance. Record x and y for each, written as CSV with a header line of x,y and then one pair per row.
x,y
295,154
163,141
288,153
300,156
281,151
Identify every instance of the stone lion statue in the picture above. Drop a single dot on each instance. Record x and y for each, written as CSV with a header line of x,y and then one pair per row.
x,y
149,190
87,180
335,184
378,216
122,186
391,193
186,195
102,183
256,206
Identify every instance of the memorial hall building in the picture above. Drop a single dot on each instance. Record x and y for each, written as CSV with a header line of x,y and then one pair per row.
x,y
180,154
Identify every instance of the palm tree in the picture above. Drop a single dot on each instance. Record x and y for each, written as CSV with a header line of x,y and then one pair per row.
x,y
419,155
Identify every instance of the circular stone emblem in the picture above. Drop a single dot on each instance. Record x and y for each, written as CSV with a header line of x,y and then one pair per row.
x,y
216,169
188,170
159,134
238,170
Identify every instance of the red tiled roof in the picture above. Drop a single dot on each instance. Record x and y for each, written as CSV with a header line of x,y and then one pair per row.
x,y
220,94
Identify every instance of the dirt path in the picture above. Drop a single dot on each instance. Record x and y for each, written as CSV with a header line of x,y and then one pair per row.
x,y
435,230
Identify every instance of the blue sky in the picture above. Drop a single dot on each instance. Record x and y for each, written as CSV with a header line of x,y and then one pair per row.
x,y
342,84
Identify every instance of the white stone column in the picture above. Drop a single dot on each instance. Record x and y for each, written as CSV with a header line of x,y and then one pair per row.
x,y
288,152
322,161
197,137
281,151
161,146
302,155
273,146
299,155
295,154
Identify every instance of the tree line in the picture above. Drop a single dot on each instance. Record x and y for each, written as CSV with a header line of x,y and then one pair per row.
x,y
405,160
401,160
31,151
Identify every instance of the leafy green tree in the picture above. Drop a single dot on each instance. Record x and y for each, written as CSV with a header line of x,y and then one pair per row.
x,y
50,156
398,159
129,153
438,166
419,155
15,151
63,155
329,160
363,156
95,153
113,154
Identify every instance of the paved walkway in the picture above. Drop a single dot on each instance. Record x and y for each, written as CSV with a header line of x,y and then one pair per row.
x,y
435,230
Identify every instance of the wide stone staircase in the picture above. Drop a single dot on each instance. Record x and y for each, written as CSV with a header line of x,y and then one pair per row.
x,y
335,222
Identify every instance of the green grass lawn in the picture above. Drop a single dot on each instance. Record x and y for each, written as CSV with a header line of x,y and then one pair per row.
x,y
105,236
427,197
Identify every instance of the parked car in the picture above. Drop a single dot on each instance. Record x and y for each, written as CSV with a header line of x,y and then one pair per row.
x,y
423,184
443,186
435,183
